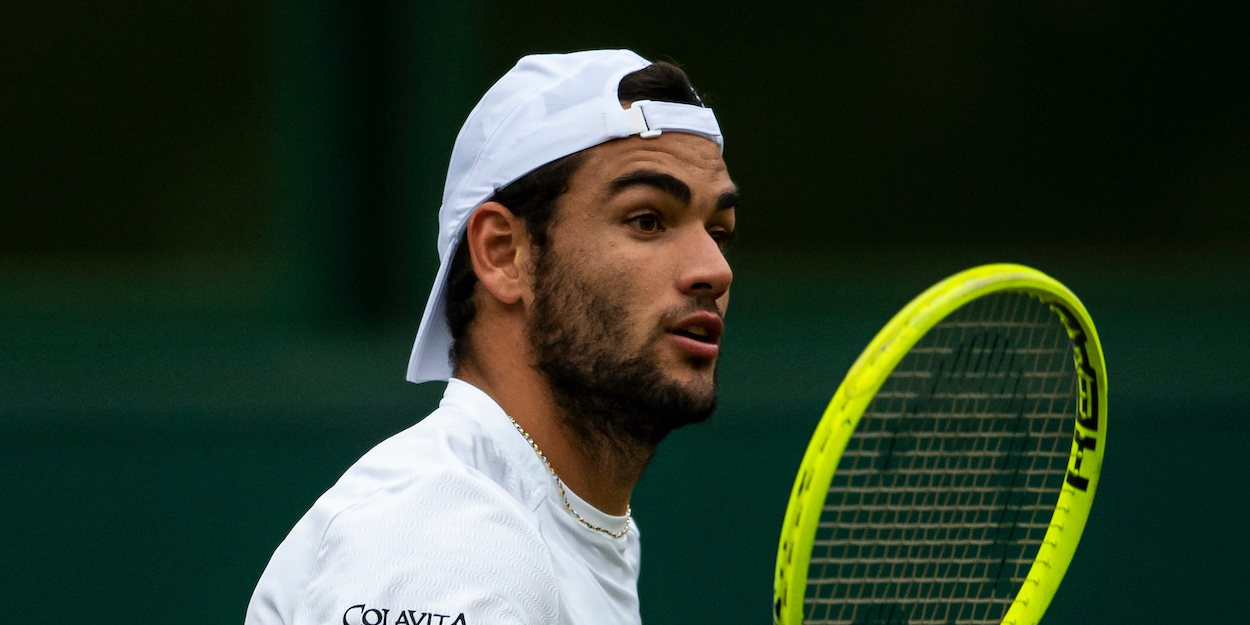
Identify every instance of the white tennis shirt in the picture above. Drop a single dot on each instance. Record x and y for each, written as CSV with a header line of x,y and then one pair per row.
x,y
454,520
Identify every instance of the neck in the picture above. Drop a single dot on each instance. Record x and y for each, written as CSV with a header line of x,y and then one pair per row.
x,y
601,471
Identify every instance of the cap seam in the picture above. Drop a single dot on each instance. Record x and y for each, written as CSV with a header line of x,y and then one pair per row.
x,y
477,158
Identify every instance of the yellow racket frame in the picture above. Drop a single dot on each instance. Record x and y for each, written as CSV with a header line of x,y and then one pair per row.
x,y
871,369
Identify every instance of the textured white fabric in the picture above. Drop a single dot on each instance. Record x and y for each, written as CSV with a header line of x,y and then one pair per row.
x,y
454,520
546,107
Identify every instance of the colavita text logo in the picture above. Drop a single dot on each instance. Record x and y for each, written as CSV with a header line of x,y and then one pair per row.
x,y
362,614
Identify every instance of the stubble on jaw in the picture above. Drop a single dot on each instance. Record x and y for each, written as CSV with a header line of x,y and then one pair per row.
x,y
617,401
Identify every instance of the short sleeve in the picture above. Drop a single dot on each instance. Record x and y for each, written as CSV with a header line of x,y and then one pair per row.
x,y
449,550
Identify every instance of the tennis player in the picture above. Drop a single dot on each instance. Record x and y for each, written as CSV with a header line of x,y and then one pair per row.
x,y
576,318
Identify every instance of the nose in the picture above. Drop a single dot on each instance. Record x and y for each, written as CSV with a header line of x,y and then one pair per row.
x,y
703,271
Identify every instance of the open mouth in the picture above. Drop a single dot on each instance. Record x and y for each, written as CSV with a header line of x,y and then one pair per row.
x,y
703,327
697,333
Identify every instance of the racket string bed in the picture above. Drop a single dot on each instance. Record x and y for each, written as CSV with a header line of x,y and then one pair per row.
x,y
945,490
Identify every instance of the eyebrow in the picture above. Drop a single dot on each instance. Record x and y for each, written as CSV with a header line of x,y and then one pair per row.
x,y
666,183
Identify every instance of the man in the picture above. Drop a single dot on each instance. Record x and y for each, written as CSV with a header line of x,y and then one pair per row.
x,y
577,312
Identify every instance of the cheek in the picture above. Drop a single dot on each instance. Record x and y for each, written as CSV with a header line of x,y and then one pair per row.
x,y
636,281
622,267
634,277
609,273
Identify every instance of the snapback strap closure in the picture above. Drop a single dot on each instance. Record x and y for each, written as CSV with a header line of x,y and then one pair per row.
x,y
649,119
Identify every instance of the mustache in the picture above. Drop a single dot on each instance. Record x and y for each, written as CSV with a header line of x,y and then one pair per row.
x,y
694,306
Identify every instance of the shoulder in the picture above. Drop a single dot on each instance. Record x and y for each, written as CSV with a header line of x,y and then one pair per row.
x,y
449,545
433,520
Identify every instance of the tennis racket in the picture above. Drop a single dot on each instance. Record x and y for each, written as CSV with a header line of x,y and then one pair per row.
x,y
950,478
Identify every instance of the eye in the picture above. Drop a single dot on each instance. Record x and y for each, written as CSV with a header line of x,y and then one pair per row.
x,y
647,222
722,238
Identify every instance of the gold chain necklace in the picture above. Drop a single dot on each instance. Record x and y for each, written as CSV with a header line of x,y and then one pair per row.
x,y
564,495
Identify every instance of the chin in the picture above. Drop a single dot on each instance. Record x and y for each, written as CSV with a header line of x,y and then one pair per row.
x,y
700,381
697,380
692,369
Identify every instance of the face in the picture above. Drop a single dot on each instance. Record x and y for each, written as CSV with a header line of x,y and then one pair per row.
x,y
631,291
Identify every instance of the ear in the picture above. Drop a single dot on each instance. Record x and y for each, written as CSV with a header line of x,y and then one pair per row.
x,y
499,246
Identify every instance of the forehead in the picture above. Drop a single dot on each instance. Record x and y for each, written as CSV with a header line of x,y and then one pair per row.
x,y
690,158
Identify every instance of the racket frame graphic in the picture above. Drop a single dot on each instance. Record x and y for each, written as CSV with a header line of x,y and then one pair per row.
x,y
870,371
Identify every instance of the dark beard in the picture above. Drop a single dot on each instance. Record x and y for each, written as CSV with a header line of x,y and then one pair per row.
x,y
612,401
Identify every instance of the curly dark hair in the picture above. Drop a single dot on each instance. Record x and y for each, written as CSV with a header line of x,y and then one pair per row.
x,y
533,197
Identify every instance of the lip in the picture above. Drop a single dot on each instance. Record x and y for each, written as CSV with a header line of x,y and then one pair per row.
x,y
711,323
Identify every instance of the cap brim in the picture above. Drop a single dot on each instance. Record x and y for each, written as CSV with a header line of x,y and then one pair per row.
x,y
431,352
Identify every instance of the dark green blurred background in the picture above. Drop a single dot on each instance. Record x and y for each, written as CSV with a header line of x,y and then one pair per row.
x,y
217,233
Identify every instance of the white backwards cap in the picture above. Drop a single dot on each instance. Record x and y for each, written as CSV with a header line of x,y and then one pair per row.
x,y
546,107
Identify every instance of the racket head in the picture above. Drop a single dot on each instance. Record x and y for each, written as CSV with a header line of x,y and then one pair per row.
x,y
874,367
